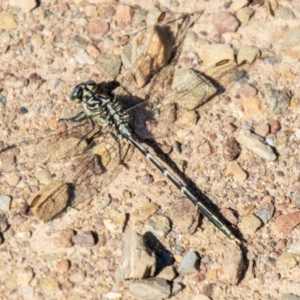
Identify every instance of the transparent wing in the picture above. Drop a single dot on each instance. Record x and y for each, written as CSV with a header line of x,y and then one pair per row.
x,y
152,110
152,49
189,89
29,162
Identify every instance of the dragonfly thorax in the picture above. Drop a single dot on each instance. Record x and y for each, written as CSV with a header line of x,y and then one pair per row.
x,y
105,111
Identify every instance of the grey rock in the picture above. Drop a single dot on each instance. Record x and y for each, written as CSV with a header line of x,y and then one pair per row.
x,y
278,101
82,57
5,203
294,248
43,176
189,263
265,212
284,13
3,101
84,239
137,260
290,297
78,42
151,289
255,144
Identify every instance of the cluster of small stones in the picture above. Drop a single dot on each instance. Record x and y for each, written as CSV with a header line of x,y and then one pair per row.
x,y
140,241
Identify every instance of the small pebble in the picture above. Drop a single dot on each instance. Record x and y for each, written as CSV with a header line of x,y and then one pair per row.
x,y
238,4
274,126
78,42
25,276
229,215
115,221
7,22
150,289
253,143
48,285
229,129
43,176
147,179
249,224
97,29
168,273
85,239
248,54
91,11
189,264
5,202
62,266
124,12
212,54
77,277
36,40
278,101
231,149
286,223
284,13
262,129
3,223
247,91
63,239
286,261
225,22
244,14
265,212
234,169
158,225
294,248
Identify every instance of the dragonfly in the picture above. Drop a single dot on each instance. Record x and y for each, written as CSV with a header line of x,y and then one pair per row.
x,y
109,110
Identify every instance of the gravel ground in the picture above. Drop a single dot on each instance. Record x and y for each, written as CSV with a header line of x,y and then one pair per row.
x,y
137,237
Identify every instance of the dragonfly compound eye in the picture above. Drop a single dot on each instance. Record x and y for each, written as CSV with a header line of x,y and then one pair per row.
x,y
91,86
76,95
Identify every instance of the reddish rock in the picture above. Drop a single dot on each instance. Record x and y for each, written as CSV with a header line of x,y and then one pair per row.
x,y
229,128
109,11
274,126
124,12
262,129
286,223
247,91
62,239
229,215
225,22
97,29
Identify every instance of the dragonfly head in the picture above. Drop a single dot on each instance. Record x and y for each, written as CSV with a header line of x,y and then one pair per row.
x,y
82,90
